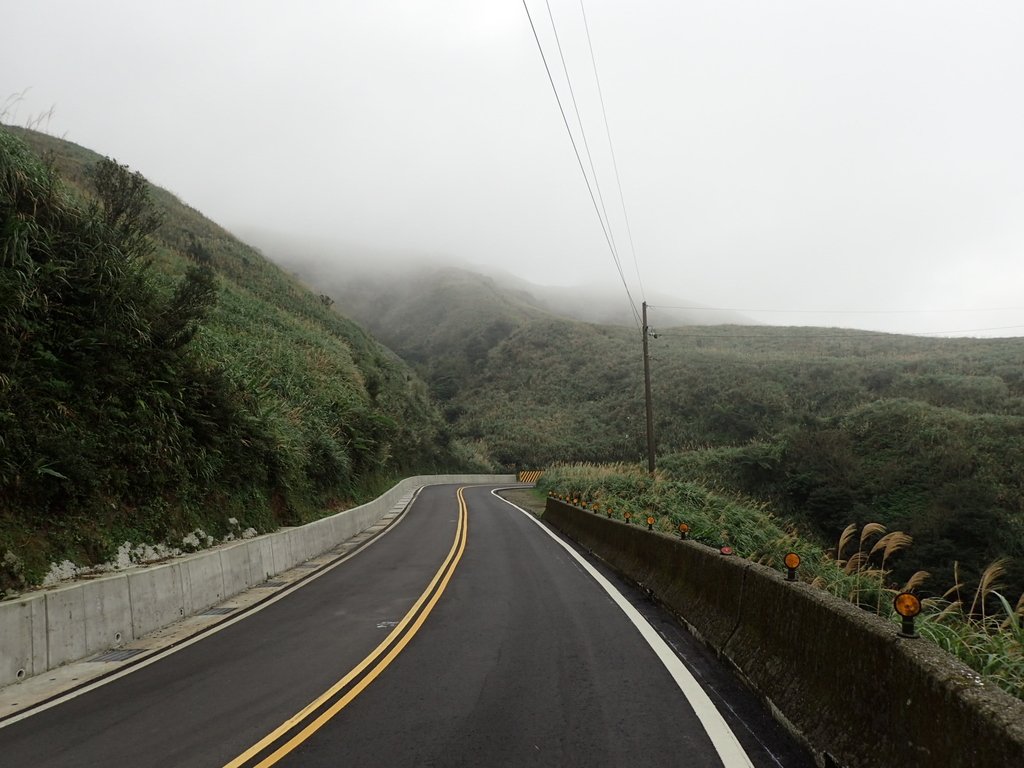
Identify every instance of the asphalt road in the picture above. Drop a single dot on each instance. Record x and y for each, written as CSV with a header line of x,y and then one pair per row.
x,y
463,636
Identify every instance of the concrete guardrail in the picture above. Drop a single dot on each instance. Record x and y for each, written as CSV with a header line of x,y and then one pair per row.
x,y
840,678
45,629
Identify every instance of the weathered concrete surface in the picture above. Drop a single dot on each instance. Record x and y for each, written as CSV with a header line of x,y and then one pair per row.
x,y
23,637
50,628
205,579
234,563
108,613
261,560
65,614
838,675
281,544
157,597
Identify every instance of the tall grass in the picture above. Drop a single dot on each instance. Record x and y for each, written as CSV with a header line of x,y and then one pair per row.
x,y
988,636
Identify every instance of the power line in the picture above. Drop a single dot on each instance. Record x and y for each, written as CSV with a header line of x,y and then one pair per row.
x,y
583,132
852,333
611,147
838,311
579,159
590,159
968,330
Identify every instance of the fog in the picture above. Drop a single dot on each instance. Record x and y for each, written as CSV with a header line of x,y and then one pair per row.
x,y
809,158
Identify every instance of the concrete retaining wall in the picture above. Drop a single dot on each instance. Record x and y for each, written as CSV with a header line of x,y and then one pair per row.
x,y
840,677
43,630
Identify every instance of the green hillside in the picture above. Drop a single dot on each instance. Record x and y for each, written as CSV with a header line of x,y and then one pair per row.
x,y
157,375
447,320
147,380
829,426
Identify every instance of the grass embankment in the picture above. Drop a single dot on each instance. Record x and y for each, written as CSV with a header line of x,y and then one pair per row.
x,y
982,627
158,376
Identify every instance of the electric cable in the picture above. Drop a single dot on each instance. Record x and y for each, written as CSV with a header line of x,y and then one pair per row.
x,y
579,159
583,132
611,147
586,148
852,333
839,311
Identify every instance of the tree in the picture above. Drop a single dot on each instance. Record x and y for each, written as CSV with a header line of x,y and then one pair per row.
x,y
124,204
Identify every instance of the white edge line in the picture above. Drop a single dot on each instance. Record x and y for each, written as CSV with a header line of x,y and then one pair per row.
x,y
722,737
205,633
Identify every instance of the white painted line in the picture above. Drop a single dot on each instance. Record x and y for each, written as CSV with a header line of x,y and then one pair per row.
x,y
722,738
205,633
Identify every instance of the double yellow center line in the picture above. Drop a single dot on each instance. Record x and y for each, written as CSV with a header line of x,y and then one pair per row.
x,y
294,731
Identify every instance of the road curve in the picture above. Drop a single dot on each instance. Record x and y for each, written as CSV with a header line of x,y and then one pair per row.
x,y
465,636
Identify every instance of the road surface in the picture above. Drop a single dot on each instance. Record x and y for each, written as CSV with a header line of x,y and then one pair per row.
x,y
464,635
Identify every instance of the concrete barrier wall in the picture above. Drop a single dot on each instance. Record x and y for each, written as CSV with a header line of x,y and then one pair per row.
x,y
45,629
839,676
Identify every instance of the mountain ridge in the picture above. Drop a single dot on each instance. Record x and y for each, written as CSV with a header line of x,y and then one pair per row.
x,y
335,266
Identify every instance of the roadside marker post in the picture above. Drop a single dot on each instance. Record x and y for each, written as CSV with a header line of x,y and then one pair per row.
x,y
792,561
908,606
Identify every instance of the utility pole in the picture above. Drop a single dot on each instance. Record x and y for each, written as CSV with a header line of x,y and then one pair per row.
x,y
647,397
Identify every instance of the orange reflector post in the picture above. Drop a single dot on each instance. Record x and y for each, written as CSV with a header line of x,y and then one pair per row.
x,y
792,561
907,605
726,550
627,515
650,523
683,530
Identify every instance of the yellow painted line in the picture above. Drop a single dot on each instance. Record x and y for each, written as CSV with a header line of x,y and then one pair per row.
x,y
444,574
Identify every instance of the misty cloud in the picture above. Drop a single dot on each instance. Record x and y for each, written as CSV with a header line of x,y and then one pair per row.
x,y
788,155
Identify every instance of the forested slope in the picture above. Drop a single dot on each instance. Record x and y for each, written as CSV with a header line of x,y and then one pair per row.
x,y
829,426
157,375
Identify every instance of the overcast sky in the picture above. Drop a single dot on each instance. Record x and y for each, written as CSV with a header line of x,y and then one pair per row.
x,y
774,154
